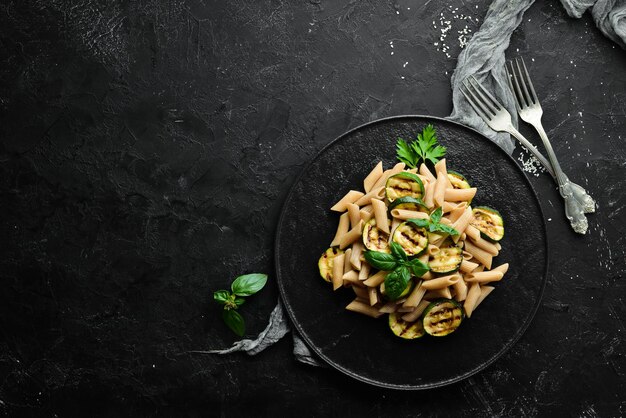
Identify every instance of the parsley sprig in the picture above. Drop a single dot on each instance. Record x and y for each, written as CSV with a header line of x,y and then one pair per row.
x,y
399,265
433,224
243,286
425,148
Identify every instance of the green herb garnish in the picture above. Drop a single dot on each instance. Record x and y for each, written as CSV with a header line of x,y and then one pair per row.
x,y
399,265
425,148
433,223
243,286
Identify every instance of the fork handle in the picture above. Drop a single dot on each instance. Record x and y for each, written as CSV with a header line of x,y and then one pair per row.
x,y
573,198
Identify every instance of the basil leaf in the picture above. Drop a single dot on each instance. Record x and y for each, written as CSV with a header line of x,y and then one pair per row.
x,y
234,321
248,284
396,282
221,296
239,301
417,267
380,261
446,229
422,223
398,252
435,217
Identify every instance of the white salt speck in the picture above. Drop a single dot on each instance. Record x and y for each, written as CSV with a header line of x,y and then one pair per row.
x,y
402,77
391,52
571,62
408,8
405,64
477,6
532,59
580,114
549,219
153,366
397,12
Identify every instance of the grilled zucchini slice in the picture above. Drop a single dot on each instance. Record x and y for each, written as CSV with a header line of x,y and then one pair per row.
x,y
412,239
374,239
404,184
458,180
325,263
489,222
404,329
442,317
408,203
447,260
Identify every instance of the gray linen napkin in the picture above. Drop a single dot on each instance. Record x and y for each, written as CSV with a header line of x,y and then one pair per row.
x,y
484,57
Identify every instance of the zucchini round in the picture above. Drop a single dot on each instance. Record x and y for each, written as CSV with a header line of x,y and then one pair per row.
x,y
412,239
447,260
374,239
489,222
404,184
442,317
408,203
325,263
458,180
404,329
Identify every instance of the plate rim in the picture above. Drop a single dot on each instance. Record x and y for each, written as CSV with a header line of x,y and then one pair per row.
x,y
374,382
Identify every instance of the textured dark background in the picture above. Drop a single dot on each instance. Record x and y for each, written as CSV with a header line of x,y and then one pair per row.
x,y
146,149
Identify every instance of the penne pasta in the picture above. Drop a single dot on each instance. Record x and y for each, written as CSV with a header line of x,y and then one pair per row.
x,y
355,257
376,279
484,277
405,214
424,171
350,197
498,246
484,292
351,278
461,224
389,307
346,261
440,189
438,293
467,266
479,254
460,195
342,229
337,278
361,292
365,271
417,312
388,173
351,236
354,214
486,245
472,297
373,295
375,193
441,282
460,290
503,268
440,167
373,177
415,297
380,214
472,232
394,224
363,308
457,211
429,193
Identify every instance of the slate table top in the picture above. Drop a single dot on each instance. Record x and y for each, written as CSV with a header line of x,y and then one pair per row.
x,y
146,150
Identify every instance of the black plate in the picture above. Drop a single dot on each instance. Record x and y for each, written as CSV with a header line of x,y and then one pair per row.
x,y
365,348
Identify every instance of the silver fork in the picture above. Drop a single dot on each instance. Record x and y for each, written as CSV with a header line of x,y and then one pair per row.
x,y
529,109
499,119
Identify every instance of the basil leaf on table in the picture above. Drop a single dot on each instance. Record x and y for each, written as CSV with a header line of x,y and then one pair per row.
x,y
249,284
234,321
221,296
396,282
381,261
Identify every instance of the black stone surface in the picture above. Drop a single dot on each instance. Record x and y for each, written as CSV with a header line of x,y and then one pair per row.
x,y
147,148
364,348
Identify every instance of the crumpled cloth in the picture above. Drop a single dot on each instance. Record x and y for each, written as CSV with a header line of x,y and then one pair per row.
x,y
484,57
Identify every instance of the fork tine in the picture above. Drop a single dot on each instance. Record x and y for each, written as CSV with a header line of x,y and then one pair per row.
x,y
517,92
477,101
483,99
475,106
495,102
523,83
530,83
509,79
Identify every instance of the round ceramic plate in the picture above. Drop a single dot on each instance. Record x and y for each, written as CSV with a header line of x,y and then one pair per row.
x,y
363,347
